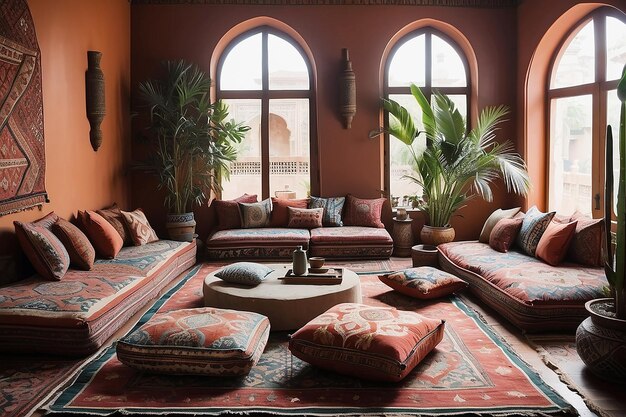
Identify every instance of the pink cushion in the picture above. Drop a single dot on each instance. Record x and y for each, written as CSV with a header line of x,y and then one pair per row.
x,y
114,216
363,212
303,218
227,211
200,341
555,242
105,239
504,233
280,213
423,282
378,343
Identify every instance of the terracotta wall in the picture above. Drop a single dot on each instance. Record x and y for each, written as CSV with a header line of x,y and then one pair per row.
x,y
349,161
76,176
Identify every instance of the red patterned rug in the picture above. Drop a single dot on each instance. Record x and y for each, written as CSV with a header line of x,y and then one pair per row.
x,y
471,372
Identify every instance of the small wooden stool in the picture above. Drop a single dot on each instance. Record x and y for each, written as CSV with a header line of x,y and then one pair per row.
x,y
425,255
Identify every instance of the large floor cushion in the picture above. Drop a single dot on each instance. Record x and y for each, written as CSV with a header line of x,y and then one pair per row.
x,y
197,341
351,242
76,315
266,242
531,294
377,343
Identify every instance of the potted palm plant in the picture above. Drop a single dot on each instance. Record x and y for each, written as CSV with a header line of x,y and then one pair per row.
x,y
601,338
456,165
191,138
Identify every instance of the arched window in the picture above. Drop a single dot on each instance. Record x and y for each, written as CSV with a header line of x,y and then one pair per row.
x,y
265,78
582,101
434,62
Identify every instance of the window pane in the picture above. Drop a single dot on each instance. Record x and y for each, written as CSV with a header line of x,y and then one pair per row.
x,y
408,64
616,48
287,69
448,69
242,66
460,101
575,64
612,118
245,172
571,154
289,146
400,158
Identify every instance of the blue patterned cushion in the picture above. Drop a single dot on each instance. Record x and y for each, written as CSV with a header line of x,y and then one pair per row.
x,y
333,208
255,214
246,273
534,224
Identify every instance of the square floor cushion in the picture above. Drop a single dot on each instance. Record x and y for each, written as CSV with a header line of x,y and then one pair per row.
x,y
376,343
423,282
197,341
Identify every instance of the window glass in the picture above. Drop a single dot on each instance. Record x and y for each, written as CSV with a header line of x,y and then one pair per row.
x,y
287,69
613,110
448,69
241,69
616,48
289,147
571,150
245,172
408,64
575,64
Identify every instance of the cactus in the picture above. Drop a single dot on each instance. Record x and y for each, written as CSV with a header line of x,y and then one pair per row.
x,y
615,266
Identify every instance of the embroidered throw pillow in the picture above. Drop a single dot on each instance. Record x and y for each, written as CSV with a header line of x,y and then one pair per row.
x,y
363,212
494,218
555,241
139,228
198,341
423,282
79,248
114,216
534,224
245,273
280,212
255,214
367,349
105,239
504,233
227,211
333,208
305,218
42,248
586,245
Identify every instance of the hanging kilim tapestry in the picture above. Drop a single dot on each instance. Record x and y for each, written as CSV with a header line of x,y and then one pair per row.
x,y
22,151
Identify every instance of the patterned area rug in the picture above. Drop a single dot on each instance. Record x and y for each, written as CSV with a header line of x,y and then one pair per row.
x,y
472,371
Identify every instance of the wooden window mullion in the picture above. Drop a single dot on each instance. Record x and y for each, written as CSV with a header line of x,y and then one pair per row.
x,y
265,117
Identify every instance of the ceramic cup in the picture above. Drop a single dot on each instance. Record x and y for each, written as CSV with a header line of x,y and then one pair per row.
x,y
316,262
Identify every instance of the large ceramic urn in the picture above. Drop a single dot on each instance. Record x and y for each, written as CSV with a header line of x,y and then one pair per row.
x,y
433,236
181,227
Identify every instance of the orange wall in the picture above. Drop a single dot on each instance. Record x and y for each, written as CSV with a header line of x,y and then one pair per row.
x,y
76,176
349,161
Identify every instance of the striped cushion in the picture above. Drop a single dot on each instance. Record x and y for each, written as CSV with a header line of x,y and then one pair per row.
x,y
534,224
200,341
44,250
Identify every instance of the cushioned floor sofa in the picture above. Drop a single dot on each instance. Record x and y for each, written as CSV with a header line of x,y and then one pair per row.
x,y
274,228
536,269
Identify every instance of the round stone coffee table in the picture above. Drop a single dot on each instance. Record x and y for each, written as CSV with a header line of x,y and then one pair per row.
x,y
288,306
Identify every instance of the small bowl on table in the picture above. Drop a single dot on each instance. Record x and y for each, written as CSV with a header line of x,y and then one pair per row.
x,y
316,262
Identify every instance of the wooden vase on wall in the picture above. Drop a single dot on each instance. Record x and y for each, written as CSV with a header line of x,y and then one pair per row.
x,y
94,92
347,90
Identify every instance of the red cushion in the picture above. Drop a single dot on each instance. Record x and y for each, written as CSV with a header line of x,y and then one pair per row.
x,y
227,211
81,251
114,216
105,239
45,252
504,233
555,241
363,212
586,246
303,218
379,343
280,214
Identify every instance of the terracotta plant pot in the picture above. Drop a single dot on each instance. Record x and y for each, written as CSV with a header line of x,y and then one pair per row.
x,y
181,227
431,235
601,343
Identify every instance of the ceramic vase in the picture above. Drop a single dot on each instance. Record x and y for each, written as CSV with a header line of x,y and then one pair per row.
x,y
181,227
299,261
433,236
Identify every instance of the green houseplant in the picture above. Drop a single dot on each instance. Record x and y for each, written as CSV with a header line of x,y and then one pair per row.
x,y
191,139
456,164
601,338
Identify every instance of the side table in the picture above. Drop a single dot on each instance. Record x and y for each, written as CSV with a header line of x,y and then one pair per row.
x,y
402,237
425,255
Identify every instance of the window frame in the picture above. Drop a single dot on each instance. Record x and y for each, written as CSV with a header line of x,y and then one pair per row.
x,y
428,89
265,94
598,90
